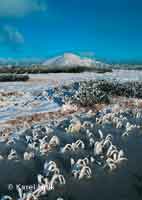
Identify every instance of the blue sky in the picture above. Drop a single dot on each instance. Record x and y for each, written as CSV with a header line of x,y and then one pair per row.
x,y
108,29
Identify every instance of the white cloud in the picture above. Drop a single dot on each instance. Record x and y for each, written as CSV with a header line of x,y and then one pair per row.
x,y
11,37
19,8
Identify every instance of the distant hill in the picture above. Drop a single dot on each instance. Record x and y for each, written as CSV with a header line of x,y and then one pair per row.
x,y
69,60
68,63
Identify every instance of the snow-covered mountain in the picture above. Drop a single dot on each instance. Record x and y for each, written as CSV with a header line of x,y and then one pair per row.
x,y
69,60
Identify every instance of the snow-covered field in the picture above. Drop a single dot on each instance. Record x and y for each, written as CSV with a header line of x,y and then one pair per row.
x,y
72,150
27,98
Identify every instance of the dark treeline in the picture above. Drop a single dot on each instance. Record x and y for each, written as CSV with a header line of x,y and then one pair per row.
x,y
44,69
13,77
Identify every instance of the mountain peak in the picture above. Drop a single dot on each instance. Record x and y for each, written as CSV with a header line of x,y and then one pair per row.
x,y
69,60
